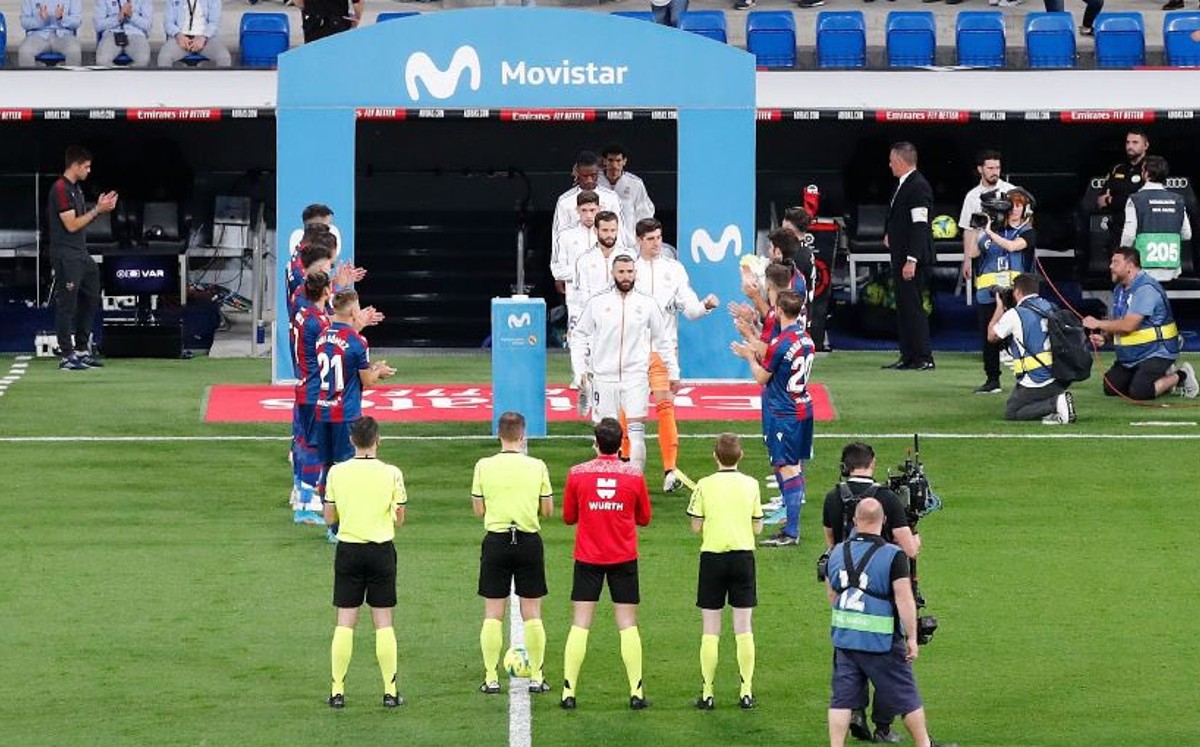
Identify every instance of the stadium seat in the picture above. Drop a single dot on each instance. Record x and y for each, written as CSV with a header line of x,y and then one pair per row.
x,y
1180,48
771,37
710,23
194,59
1050,40
50,59
911,38
841,39
637,15
3,39
1120,40
393,15
979,36
262,38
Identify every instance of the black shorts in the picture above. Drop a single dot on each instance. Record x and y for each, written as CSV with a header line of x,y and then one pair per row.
x,y
896,691
364,571
726,574
622,582
1137,382
504,565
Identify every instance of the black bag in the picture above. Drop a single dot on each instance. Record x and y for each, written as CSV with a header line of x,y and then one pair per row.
x,y
1072,355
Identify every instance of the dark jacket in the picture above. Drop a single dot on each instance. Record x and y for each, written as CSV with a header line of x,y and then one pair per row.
x,y
905,237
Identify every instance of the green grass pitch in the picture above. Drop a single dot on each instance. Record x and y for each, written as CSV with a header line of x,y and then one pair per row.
x,y
156,593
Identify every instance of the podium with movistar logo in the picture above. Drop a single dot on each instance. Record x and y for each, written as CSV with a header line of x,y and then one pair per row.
x,y
519,361
528,62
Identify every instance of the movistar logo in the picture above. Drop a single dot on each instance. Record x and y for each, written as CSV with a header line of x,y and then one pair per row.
x,y
715,251
442,84
516,322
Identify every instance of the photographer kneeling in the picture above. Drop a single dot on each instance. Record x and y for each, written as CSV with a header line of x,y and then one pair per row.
x,y
1022,317
858,483
1003,250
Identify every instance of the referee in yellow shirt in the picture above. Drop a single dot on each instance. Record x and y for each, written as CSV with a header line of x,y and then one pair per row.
x,y
509,491
367,496
726,511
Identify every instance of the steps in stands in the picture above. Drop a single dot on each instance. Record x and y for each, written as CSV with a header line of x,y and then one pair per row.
x,y
434,274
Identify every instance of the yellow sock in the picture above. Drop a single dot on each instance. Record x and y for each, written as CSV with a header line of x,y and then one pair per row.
x,y
745,656
385,654
631,653
573,656
340,653
491,640
708,663
535,646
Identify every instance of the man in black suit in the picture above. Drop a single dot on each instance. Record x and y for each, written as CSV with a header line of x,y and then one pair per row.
x,y
908,238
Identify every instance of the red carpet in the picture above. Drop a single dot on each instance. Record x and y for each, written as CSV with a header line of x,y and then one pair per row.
x,y
462,403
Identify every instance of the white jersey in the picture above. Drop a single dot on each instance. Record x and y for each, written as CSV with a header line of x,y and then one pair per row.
x,y
609,340
666,281
566,215
593,274
570,246
635,202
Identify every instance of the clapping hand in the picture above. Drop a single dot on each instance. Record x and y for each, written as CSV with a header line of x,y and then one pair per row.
x,y
369,316
742,311
383,369
107,202
742,350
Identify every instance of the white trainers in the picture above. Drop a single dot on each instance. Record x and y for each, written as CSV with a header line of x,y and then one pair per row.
x,y
671,483
1190,387
1052,419
1064,404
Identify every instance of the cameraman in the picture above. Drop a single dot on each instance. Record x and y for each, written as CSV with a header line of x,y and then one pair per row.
x,y
874,629
858,470
1003,249
1037,393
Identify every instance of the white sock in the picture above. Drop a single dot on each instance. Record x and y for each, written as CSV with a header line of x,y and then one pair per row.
x,y
637,445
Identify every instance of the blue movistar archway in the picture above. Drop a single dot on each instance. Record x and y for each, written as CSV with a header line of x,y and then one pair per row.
x,y
507,58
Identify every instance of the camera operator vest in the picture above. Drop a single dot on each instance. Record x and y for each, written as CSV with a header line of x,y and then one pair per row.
x,y
1032,357
1160,215
864,614
1156,336
996,267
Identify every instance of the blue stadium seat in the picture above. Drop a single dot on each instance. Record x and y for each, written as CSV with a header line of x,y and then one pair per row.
x,y
3,39
1180,49
710,23
771,37
1120,40
980,38
50,59
393,15
1050,40
637,15
911,38
194,59
263,37
841,39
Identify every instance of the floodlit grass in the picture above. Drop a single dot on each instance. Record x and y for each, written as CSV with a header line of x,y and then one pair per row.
x,y
157,593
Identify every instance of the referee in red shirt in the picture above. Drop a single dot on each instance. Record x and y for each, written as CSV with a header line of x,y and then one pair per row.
x,y
608,500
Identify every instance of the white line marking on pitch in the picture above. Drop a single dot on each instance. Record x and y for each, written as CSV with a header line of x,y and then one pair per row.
x,y
587,437
1164,424
520,719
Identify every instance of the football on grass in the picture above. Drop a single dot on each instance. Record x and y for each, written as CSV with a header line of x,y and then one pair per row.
x,y
516,662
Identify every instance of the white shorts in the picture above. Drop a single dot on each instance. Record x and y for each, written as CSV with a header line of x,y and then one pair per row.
x,y
610,397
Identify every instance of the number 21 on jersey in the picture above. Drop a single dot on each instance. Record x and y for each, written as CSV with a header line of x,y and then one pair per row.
x,y
333,378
